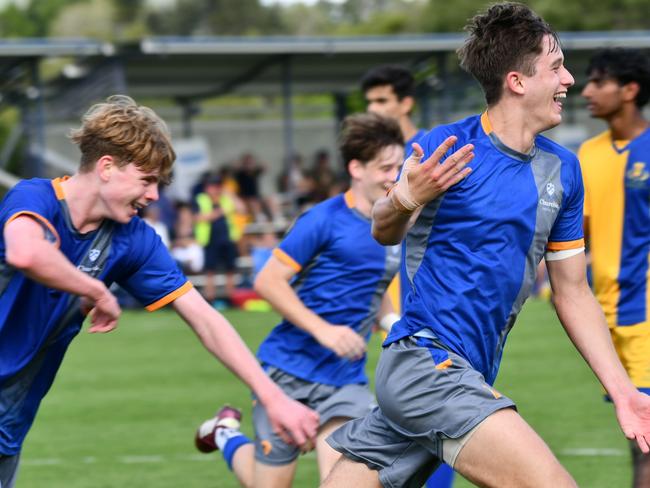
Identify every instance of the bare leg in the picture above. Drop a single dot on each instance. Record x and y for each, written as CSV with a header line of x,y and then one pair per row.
x,y
506,452
640,466
243,465
327,456
347,473
267,476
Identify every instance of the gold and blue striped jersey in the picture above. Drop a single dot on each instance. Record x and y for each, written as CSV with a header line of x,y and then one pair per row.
x,y
617,204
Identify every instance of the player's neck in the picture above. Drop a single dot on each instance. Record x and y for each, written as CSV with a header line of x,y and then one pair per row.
x,y
627,124
361,203
512,128
408,129
83,202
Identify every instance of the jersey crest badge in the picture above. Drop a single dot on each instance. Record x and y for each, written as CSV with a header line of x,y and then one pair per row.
x,y
550,189
637,176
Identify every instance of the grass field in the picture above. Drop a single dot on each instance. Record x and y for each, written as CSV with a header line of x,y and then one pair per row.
x,y
124,407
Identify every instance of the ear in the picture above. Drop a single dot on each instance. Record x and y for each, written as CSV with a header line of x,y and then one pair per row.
x,y
630,91
105,166
514,82
355,168
407,104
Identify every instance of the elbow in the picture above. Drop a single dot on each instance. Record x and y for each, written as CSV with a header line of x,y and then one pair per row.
x,y
383,238
21,259
259,285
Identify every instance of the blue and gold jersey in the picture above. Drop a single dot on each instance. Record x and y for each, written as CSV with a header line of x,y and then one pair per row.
x,y
37,323
471,256
617,204
342,273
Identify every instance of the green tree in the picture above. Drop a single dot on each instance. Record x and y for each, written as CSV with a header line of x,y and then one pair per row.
x,y
216,17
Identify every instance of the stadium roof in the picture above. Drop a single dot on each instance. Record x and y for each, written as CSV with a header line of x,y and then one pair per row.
x,y
191,69
209,66
198,67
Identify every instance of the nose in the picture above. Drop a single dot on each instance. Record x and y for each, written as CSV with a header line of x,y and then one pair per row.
x,y
586,91
567,77
152,192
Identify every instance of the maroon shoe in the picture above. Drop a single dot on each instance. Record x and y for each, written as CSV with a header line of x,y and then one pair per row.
x,y
226,418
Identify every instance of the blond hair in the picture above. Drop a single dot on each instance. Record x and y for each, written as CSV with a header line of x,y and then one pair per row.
x,y
129,132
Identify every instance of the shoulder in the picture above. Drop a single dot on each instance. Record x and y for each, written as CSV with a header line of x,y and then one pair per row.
x,y
595,143
562,153
35,195
466,130
36,187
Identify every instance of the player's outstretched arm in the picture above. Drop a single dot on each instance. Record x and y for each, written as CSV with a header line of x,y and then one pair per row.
x,y
294,422
28,251
419,183
585,324
272,283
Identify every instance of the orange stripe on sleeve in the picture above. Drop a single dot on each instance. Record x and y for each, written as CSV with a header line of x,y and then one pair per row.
x,y
563,246
170,298
286,259
40,219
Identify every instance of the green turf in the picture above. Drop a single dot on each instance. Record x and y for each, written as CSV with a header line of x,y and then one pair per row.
x,y
124,407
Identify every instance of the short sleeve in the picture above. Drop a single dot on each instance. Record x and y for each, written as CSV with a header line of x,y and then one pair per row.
x,y
306,238
586,207
567,232
154,279
34,199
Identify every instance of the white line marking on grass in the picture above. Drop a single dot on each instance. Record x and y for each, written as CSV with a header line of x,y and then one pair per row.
x,y
589,451
141,459
41,462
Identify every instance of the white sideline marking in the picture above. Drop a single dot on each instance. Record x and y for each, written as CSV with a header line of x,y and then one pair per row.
x,y
587,451
142,459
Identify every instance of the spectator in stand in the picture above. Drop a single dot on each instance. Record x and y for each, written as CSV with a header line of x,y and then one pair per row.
x,y
323,176
247,174
212,232
151,215
185,249
295,182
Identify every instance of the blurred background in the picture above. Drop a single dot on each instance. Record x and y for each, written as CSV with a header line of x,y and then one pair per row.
x,y
253,92
269,78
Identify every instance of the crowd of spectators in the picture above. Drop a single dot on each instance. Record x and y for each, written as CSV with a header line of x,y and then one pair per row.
x,y
229,226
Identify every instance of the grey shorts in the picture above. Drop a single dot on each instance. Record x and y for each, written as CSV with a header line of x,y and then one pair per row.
x,y
8,470
426,395
349,402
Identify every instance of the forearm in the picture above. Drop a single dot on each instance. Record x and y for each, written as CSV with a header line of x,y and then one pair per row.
x,y
283,298
389,224
47,265
220,338
585,324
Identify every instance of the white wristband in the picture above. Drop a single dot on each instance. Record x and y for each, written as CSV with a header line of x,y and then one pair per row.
x,y
401,190
387,321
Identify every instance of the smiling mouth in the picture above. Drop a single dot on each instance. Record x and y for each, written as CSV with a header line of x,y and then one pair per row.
x,y
559,97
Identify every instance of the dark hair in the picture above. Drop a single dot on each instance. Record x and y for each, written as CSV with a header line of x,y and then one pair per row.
x,y
363,135
400,79
506,37
624,65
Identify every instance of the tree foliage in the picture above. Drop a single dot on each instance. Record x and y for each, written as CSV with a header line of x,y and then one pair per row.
x,y
131,19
